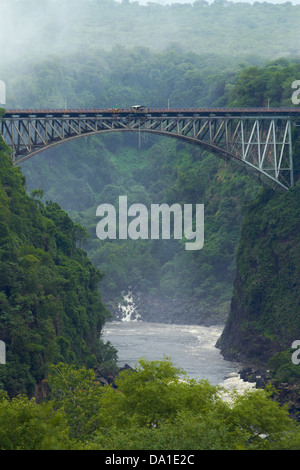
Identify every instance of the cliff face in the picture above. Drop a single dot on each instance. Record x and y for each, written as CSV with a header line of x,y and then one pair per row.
x,y
264,315
50,306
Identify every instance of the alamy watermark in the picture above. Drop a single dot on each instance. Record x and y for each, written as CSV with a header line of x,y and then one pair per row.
x,y
161,221
296,354
2,93
2,353
296,94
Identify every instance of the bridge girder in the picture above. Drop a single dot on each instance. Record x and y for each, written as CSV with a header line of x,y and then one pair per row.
x,y
259,145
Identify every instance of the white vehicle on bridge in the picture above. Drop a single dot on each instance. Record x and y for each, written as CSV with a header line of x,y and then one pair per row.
x,y
139,107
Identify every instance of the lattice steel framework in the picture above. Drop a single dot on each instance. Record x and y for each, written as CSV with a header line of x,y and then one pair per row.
x,y
260,145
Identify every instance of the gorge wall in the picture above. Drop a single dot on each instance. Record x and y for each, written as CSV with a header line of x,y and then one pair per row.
x,y
264,314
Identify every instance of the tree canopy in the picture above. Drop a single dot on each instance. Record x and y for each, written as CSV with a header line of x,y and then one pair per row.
x,y
50,306
155,407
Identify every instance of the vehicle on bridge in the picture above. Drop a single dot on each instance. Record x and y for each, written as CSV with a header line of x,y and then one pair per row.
x,y
139,107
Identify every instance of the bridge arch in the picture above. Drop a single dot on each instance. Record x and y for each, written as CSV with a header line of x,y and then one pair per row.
x,y
258,144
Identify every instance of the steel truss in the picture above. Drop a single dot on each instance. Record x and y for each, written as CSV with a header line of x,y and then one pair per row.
x,y
259,145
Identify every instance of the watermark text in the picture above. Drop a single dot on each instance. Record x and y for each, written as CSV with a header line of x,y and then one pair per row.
x,y
2,353
296,94
2,93
296,354
161,221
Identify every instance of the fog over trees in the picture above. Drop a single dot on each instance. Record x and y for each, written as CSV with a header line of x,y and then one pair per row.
x,y
58,280
33,28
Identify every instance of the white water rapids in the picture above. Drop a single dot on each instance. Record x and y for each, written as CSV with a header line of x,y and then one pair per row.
x,y
190,347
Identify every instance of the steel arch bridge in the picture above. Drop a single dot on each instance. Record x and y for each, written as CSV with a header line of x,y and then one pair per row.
x,y
256,140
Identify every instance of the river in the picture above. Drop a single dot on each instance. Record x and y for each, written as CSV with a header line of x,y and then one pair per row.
x,y
190,347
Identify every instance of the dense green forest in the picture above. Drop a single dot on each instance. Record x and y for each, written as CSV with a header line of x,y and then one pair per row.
x,y
148,170
263,320
197,286
51,308
264,317
58,282
152,408
55,313
188,286
221,27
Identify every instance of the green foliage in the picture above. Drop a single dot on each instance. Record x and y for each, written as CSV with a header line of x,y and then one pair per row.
x,y
239,30
25,425
264,314
77,393
156,407
160,170
283,369
264,317
265,86
273,241
50,306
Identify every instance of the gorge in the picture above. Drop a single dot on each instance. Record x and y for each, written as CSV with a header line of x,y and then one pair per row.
x,y
231,306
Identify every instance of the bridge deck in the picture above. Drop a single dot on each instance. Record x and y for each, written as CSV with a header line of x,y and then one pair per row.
x,y
238,112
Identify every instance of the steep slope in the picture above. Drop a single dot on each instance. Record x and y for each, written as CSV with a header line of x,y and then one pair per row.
x,y
264,315
50,306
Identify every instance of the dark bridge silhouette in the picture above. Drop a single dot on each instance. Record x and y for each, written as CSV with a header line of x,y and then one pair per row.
x,y
257,140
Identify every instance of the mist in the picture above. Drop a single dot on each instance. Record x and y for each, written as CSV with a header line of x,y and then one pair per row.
x,y
103,54
59,33
38,29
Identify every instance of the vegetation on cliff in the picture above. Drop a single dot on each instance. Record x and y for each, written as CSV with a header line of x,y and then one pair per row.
x,y
150,169
264,316
83,174
159,170
50,306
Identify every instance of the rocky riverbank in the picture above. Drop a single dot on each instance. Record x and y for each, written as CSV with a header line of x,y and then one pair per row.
x,y
110,378
286,394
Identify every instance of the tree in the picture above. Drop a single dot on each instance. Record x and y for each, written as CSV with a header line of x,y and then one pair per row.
x,y
25,425
156,406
